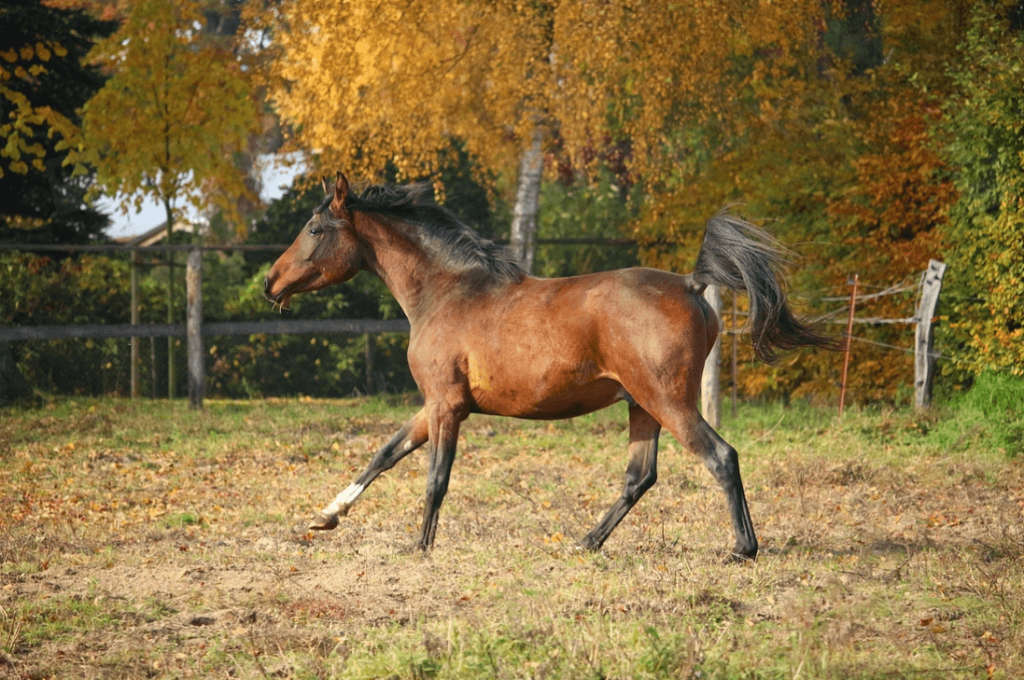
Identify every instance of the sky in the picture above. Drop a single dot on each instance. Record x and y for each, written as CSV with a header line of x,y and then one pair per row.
x,y
276,178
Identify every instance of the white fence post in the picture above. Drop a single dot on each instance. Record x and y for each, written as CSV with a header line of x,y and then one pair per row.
x,y
924,356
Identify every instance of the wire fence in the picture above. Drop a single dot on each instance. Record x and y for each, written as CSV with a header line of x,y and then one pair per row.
x,y
924,285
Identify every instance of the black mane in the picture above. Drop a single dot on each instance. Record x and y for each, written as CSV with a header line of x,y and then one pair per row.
x,y
460,245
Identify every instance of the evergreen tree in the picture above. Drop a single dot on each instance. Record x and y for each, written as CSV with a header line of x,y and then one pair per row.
x,y
43,83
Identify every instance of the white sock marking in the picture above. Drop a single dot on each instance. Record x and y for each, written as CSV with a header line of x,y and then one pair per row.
x,y
344,499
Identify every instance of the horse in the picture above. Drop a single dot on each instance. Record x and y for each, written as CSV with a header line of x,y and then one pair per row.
x,y
486,337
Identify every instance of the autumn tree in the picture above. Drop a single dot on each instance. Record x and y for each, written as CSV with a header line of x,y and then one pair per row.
x,y
365,84
821,119
369,85
835,151
170,119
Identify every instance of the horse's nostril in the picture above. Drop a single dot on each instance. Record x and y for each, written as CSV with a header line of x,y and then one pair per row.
x,y
267,283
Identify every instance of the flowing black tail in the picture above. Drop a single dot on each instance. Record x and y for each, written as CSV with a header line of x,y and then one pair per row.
x,y
735,254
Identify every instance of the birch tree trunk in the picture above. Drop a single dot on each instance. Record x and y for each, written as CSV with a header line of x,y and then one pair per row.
x,y
524,220
710,383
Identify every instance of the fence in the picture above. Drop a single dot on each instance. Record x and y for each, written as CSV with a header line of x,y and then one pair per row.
x,y
928,283
195,328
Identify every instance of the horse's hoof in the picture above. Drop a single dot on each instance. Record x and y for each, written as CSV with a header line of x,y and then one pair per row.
x,y
739,556
589,544
324,522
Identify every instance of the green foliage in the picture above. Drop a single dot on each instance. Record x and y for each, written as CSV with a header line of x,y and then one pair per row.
x,y
97,290
88,290
303,364
580,210
986,225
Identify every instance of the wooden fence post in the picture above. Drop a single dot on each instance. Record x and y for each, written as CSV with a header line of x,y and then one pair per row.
x,y
710,386
135,322
370,343
172,387
924,357
193,328
152,365
849,341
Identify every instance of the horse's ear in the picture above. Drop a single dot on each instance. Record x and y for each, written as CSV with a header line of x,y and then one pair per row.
x,y
326,184
341,188
340,194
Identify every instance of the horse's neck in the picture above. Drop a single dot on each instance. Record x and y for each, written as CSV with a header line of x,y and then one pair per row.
x,y
409,272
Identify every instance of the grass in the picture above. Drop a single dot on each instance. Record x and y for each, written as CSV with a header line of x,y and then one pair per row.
x,y
139,539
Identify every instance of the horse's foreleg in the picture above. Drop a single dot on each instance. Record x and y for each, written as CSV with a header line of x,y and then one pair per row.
x,y
412,435
724,463
444,435
641,474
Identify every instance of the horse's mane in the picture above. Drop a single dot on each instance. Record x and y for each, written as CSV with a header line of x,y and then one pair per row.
x,y
459,246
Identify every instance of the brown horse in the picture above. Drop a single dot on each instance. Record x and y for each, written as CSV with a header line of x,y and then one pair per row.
x,y
488,338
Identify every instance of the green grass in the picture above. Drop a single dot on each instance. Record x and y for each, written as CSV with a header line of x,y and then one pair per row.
x,y
892,547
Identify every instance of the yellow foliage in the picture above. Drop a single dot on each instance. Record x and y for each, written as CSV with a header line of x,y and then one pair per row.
x,y
365,83
24,120
173,114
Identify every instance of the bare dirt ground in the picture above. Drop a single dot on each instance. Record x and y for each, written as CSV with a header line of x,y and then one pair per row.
x,y
140,543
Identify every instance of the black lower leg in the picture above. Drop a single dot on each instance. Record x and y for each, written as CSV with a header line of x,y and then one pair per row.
x,y
411,436
641,474
723,462
442,456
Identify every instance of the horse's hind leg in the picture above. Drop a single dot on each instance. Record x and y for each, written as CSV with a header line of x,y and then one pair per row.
x,y
641,474
723,462
412,436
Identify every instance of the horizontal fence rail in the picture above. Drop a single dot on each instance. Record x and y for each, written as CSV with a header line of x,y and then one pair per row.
x,y
279,248
158,330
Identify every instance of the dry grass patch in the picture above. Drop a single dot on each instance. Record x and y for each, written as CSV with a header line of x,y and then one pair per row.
x,y
143,540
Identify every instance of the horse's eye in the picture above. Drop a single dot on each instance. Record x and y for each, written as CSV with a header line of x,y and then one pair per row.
x,y
315,231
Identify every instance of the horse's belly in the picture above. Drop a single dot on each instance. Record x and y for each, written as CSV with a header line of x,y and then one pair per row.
x,y
537,390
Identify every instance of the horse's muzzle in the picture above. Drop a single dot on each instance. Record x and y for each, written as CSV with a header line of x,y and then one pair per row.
x,y
275,298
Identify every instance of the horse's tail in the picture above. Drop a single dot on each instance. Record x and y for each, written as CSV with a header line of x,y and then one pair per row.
x,y
735,254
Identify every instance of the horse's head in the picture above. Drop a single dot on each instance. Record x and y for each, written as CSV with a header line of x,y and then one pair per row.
x,y
326,251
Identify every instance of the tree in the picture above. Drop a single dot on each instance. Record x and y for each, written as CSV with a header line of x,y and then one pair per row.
x,y
42,84
985,230
171,118
366,83
838,155
372,85
173,114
